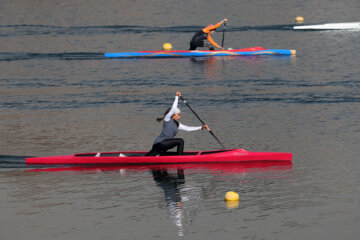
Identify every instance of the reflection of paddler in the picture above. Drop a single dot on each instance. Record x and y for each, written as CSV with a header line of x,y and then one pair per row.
x,y
170,183
199,38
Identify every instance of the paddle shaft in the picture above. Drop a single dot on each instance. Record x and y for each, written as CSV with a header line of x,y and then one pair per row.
x,y
222,145
223,37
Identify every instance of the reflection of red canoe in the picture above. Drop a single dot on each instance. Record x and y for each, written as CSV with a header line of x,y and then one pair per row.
x,y
216,168
218,156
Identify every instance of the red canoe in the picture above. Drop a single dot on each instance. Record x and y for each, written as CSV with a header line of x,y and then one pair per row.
x,y
214,168
216,156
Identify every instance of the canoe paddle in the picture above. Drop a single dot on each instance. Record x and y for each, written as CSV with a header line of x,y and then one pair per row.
x,y
185,101
223,38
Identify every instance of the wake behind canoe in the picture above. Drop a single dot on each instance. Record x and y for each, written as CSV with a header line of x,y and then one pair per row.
x,y
201,53
216,156
330,26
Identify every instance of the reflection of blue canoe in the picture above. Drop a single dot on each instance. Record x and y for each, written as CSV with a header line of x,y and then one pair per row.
x,y
201,53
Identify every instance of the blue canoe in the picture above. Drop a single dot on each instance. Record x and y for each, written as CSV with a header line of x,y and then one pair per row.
x,y
201,53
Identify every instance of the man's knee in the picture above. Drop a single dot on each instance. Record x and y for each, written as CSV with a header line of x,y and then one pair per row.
x,y
180,140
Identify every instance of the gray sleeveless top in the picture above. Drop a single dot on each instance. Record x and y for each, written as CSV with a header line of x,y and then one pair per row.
x,y
170,129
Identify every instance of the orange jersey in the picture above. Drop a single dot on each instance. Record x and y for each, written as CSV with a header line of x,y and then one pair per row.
x,y
210,28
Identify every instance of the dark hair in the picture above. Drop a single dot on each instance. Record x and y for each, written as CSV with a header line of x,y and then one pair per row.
x,y
162,118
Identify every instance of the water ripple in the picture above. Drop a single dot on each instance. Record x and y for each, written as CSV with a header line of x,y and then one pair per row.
x,y
25,29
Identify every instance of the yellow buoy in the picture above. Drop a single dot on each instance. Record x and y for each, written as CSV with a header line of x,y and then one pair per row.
x,y
167,46
231,196
299,19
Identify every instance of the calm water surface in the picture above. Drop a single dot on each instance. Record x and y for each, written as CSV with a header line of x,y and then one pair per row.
x,y
58,95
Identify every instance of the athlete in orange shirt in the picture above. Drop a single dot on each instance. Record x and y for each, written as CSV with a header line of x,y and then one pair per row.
x,y
204,34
